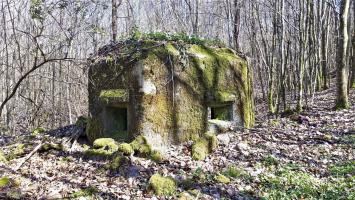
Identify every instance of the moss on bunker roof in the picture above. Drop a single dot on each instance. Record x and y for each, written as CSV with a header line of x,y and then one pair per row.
x,y
139,43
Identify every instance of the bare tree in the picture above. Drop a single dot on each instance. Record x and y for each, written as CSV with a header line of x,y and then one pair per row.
x,y
236,24
342,100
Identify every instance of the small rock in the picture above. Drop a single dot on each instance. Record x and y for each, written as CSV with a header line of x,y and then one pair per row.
x,y
243,146
223,139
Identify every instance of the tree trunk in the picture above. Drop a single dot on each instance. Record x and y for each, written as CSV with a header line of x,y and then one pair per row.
x,y
114,20
342,101
353,56
236,24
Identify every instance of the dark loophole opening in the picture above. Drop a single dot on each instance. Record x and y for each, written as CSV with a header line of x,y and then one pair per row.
x,y
116,122
222,112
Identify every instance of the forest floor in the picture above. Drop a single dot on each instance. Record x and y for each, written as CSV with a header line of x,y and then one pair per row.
x,y
301,156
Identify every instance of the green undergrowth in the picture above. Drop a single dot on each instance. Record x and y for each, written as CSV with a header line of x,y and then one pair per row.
x,y
236,172
347,168
350,139
292,181
270,160
288,183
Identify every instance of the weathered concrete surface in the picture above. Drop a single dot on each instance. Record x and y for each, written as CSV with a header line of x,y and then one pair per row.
x,y
169,90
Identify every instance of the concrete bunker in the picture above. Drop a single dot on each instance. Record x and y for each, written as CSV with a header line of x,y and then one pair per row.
x,y
166,91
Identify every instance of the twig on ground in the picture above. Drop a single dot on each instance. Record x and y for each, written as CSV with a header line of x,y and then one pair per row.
x,y
24,159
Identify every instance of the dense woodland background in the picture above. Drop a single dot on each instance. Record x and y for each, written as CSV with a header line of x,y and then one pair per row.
x,y
293,45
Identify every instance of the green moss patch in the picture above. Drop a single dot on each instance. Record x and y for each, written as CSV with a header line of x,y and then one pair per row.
x,y
116,94
165,186
51,146
85,192
37,131
18,151
212,141
180,38
204,146
220,178
4,182
117,162
200,149
156,156
103,147
105,142
125,148
141,146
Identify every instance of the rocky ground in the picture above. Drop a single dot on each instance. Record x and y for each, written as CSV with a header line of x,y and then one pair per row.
x,y
299,156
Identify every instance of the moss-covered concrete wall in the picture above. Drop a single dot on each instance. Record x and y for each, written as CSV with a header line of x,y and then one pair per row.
x,y
169,87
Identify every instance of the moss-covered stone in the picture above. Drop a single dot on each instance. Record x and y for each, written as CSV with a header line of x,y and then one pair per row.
x,y
212,141
200,149
141,146
4,182
165,186
98,152
103,147
220,178
156,156
204,146
117,162
51,146
37,131
105,142
125,148
18,151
